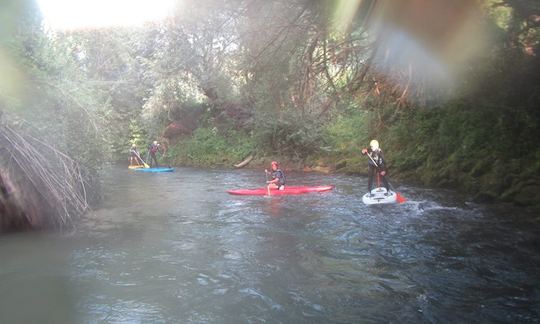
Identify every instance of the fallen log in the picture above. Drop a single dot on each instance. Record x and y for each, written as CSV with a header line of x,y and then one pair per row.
x,y
244,163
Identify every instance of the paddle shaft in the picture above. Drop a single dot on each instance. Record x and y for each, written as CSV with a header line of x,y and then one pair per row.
x,y
139,157
267,184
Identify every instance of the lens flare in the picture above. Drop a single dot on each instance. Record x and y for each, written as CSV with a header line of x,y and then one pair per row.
x,y
419,45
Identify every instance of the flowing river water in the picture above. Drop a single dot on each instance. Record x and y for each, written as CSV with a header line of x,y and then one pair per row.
x,y
176,248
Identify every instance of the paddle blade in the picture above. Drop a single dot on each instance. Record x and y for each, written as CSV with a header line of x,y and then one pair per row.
x,y
399,198
146,166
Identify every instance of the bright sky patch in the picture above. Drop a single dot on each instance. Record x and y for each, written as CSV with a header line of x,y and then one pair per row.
x,y
74,14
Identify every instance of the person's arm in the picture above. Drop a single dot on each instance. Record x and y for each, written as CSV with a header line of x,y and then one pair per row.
x,y
267,173
367,150
275,180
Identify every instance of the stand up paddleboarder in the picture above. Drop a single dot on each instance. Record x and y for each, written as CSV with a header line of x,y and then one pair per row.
x,y
152,151
376,165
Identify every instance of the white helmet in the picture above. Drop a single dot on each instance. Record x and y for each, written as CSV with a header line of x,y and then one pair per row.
x,y
374,145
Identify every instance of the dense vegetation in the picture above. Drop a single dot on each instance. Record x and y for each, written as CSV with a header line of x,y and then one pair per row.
x,y
450,90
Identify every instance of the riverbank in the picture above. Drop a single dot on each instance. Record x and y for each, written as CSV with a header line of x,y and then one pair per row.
x,y
483,149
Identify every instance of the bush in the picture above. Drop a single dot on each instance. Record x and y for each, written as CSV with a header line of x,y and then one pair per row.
x,y
347,132
209,148
293,134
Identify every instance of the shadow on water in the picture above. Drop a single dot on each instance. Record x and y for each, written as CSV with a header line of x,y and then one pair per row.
x,y
170,247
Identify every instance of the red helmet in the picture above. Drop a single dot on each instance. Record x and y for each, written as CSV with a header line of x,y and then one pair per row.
x,y
274,163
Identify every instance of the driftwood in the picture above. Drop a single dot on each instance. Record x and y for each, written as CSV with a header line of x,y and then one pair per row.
x,y
244,163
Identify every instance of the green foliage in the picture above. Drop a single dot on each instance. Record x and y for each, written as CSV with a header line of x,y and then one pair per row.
x,y
348,131
209,148
137,134
45,92
292,133
478,146
120,139
500,14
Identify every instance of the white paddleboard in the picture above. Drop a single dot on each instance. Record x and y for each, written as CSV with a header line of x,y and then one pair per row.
x,y
379,196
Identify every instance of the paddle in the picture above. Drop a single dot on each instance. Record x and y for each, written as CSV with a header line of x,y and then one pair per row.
x,y
146,166
399,198
148,155
267,185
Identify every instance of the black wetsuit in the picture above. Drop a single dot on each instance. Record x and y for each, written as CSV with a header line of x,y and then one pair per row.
x,y
153,149
375,169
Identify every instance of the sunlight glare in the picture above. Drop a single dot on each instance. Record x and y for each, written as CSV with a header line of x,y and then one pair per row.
x,y
74,14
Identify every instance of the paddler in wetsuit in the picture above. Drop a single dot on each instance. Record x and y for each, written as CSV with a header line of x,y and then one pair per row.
x,y
134,156
278,177
376,165
152,150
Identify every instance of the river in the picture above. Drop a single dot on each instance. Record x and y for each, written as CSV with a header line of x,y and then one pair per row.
x,y
176,248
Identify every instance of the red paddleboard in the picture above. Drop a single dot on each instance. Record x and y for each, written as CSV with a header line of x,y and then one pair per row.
x,y
276,192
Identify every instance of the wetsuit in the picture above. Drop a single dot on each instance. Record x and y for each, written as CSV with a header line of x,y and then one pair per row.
x,y
153,150
376,169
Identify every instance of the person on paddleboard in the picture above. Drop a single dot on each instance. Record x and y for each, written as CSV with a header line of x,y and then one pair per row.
x,y
278,177
376,165
152,150
134,156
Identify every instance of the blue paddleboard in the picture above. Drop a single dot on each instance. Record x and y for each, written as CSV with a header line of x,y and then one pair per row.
x,y
155,169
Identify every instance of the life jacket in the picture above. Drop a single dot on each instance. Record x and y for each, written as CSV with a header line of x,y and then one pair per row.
x,y
154,148
280,175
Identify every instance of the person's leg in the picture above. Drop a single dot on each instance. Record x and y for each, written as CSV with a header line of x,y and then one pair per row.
x,y
273,186
385,182
371,174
